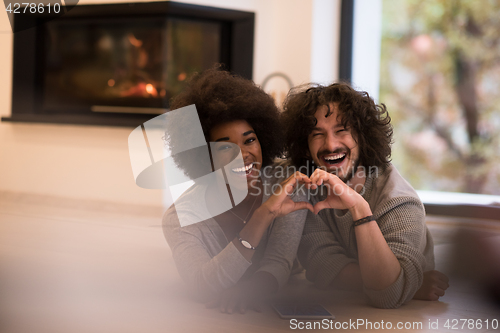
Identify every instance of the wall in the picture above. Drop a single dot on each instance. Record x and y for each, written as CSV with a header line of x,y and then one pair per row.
x,y
92,162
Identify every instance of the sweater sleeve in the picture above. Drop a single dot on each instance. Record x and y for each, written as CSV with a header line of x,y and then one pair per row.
x,y
282,246
402,222
320,253
206,275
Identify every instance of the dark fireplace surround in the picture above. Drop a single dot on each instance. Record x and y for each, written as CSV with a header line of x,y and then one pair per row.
x,y
119,64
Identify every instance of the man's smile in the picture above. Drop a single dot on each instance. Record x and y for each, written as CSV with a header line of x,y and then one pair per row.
x,y
334,159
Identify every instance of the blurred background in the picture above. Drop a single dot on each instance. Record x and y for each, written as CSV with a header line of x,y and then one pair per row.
x,y
440,77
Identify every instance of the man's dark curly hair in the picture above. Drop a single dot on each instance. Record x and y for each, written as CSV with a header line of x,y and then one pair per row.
x,y
368,122
221,97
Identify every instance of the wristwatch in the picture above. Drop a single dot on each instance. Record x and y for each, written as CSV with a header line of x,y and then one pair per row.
x,y
245,244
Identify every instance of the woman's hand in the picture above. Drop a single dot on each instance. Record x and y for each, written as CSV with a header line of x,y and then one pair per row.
x,y
280,203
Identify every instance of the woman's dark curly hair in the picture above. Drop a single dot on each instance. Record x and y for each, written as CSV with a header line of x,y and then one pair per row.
x,y
369,122
221,97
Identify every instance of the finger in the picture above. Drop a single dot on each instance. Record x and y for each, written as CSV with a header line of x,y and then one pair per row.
x,y
320,206
442,277
291,184
212,304
304,176
307,186
317,179
302,205
318,171
439,291
223,305
314,177
289,187
300,177
438,278
334,180
292,176
243,307
328,179
442,284
257,307
231,305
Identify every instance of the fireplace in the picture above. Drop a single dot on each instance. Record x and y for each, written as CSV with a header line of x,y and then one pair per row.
x,y
120,64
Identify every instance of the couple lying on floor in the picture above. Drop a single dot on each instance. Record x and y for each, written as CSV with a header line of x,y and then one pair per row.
x,y
337,203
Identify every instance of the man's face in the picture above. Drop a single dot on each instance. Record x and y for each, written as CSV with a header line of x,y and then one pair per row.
x,y
332,146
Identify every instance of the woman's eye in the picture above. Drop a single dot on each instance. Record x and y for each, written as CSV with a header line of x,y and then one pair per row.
x,y
317,134
341,130
224,147
250,140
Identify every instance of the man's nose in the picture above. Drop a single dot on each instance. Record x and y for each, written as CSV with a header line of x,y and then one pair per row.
x,y
331,142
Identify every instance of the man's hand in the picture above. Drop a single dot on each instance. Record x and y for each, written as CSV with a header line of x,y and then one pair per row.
x,y
280,203
433,287
340,195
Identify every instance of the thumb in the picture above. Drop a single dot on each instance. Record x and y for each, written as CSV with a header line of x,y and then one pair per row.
x,y
320,206
303,205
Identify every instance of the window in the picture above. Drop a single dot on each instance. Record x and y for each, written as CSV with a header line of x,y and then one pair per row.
x,y
439,75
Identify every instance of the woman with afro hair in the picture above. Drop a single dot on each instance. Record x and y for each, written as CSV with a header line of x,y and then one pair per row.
x,y
235,258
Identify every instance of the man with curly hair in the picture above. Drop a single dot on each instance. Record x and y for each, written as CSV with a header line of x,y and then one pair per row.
x,y
368,228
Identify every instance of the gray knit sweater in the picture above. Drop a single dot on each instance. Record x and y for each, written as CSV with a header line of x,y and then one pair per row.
x,y
328,243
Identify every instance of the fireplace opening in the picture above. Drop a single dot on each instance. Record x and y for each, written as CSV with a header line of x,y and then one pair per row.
x,y
119,64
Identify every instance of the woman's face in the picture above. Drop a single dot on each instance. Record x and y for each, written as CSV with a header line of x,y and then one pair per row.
x,y
240,133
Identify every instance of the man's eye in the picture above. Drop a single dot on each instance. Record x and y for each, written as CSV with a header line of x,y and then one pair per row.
x,y
317,134
341,130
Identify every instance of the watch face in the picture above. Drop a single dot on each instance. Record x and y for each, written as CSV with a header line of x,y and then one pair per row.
x,y
246,244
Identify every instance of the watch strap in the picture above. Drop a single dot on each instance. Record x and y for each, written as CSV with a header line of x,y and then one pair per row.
x,y
245,243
